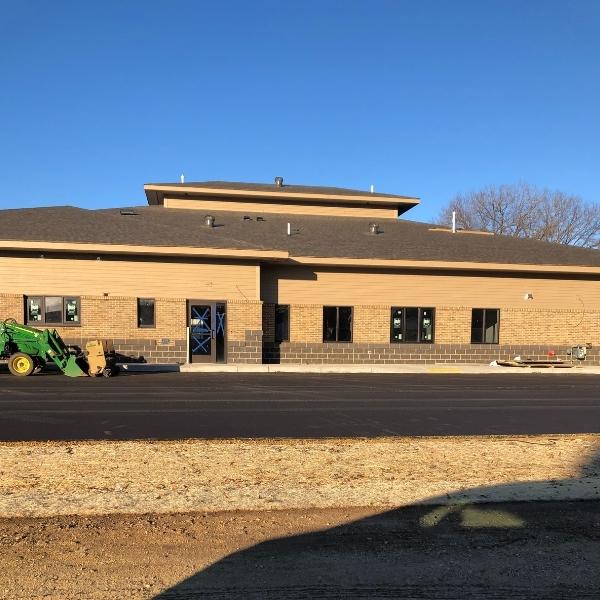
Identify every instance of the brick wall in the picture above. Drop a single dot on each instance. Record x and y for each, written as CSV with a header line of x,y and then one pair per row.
x,y
11,307
562,326
244,331
528,331
453,325
371,323
114,318
306,323
250,327
328,353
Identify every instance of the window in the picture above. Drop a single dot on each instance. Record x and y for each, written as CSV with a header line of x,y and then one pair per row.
x,y
35,310
412,325
145,312
71,312
52,310
337,323
282,323
485,324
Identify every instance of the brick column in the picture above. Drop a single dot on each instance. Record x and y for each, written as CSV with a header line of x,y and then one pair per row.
x,y
244,331
452,325
306,323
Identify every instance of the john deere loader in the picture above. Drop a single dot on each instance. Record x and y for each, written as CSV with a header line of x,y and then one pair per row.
x,y
29,349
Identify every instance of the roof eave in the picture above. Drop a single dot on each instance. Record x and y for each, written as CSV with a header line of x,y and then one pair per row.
x,y
155,193
143,250
380,263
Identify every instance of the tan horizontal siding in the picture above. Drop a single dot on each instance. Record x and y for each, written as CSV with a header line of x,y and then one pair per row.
x,y
289,285
169,279
337,210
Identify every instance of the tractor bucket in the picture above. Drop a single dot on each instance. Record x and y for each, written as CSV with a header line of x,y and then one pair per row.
x,y
72,369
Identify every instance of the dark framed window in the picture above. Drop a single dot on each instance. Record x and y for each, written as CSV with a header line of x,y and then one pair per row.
x,y
485,326
412,325
337,323
53,310
146,313
282,323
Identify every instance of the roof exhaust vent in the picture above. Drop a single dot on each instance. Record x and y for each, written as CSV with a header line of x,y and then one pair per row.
x,y
374,228
278,181
209,221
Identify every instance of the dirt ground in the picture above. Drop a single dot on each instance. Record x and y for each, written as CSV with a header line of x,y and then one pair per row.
x,y
513,550
54,478
413,518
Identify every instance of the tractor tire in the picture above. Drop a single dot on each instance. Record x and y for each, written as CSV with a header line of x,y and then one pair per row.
x,y
21,364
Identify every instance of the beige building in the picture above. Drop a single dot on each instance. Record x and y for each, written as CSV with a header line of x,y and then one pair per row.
x,y
237,272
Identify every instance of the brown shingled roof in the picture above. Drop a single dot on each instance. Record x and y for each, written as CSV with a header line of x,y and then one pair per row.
x,y
285,188
315,236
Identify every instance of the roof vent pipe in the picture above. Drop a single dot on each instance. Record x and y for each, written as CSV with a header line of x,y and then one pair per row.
x,y
278,181
453,221
373,228
182,178
372,189
209,221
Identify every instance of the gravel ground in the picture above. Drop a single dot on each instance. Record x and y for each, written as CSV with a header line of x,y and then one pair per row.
x,y
516,550
46,479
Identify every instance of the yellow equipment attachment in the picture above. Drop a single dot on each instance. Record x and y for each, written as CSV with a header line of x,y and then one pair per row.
x,y
96,357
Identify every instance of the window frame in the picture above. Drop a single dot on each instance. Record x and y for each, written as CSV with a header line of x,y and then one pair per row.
x,y
497,337
139,325
420,310
287,336
43,322
337,324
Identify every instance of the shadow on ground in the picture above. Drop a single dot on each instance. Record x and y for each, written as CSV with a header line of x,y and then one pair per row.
x,y
516,550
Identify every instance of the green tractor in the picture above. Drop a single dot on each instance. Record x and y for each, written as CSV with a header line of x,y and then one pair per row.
x,y
28,350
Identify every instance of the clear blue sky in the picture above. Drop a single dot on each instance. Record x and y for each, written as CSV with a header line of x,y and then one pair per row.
x,y
420,98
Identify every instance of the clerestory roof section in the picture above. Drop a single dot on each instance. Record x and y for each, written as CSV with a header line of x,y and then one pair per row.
x,y
313,239
156,193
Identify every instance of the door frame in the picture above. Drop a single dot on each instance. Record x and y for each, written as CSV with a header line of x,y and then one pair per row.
x,y
212,358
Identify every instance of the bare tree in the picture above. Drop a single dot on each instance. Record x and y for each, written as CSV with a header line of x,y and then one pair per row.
x,y
522,210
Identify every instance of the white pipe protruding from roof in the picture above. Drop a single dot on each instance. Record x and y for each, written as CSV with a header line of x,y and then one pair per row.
x,y
372,189
453,221
289,229
182,178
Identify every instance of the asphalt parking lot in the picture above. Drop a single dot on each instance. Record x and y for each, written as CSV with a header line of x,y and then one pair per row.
x,y
245,405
